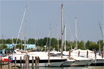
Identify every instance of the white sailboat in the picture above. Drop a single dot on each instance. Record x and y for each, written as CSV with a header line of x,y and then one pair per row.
x,y
44,58
79,61
68,62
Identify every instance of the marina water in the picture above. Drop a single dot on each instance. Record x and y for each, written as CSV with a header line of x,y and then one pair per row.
x,y
89,67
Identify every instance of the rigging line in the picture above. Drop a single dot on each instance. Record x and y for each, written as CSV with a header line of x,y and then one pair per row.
x,y
101,29
21,25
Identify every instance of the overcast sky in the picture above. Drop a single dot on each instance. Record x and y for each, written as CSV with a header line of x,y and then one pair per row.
x,y
42,13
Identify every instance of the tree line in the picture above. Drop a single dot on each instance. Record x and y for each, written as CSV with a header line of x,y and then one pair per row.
x,y
53,43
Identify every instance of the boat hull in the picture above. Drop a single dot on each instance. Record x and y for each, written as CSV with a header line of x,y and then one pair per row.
x,y
53,63
68,63
80,63
98,62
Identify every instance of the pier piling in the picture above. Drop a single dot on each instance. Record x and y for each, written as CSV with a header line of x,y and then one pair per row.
x,y
1,63
27,61
35,62
15,62
8,63
87,54
20,62
32,62
95,55
78,53
38,62
69,53
102,54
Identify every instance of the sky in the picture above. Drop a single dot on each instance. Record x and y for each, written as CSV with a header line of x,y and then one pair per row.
x,y
43,13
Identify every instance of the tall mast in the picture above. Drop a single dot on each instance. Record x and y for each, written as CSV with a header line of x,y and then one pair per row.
x,y
65,37
49,48
103,39
99,39
26,24
57,38
61,30
102,34
12,40
35,40
76,32
2,40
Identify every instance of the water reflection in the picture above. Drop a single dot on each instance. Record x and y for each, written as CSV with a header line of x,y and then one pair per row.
x,y
89,67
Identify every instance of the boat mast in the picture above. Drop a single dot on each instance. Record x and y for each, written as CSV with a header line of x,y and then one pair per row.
x,y
61,30
99,40
76,32
26,18
65,38
57,38
102,34
2,43
103,39
35,41
49,48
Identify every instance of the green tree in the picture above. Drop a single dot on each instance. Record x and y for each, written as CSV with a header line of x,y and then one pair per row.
x,y
40,42
101,44
81,45
3,47
31,41
92,45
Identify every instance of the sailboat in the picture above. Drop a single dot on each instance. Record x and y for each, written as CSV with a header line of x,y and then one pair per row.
x,y
68,62
79,61
44,58
97,58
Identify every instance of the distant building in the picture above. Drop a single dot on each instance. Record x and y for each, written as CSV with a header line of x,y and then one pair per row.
x,y
29,46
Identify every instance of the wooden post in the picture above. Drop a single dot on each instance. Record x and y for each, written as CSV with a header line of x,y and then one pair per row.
x,y
38,61
32,62
21,62
15,62
27,61
8,63
102,54
48,58
35,62
78,53
87,54
69,53
95,56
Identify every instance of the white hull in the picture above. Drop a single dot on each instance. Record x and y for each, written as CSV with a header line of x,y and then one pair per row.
x,y
90,62
99,61
80,63
53,64
68,63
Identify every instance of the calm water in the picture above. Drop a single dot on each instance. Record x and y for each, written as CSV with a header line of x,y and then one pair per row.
x,y
90,67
